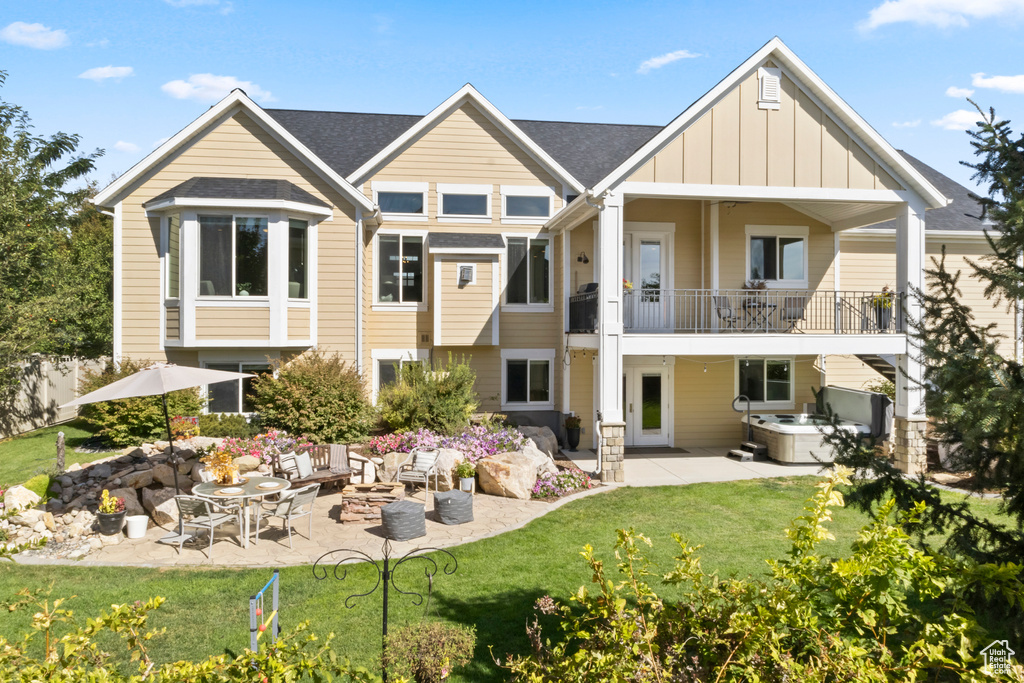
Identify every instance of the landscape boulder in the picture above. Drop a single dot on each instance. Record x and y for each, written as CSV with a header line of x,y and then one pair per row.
x,y
19,498
160,505
389,469
511,475
361,465
246,463
163,474
541,460
447,459
137,480
542,437
131,500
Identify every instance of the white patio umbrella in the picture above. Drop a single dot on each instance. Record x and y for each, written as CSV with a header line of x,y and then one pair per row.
x,y
158,380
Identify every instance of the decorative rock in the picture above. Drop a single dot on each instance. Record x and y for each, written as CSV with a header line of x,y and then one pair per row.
x,y
185,466
39,527
49,522
246,463
27,517
112,539
134,452
131,500
19,498
359,463
542,437
99,471
447,459
197,468
543,462
73,467
200,442
74,530
95,543
163,474
511,475
138,480
66,481
389,469
160,505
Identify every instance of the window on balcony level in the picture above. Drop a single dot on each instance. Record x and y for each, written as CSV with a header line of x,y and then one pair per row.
x,y
529,271
232,256
777,255
400,269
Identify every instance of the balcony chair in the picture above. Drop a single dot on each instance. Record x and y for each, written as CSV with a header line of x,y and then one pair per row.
x,y
792,311
206,515
726,314
289,506
419,468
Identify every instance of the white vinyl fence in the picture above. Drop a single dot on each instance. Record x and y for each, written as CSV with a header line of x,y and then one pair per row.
x,y
45,384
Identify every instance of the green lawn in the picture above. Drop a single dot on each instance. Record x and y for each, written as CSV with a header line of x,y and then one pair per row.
x,y
24,456
498,579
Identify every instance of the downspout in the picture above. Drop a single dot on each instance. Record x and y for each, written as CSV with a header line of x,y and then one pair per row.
x,y
600,438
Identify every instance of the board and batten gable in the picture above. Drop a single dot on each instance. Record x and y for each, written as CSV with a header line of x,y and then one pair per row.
x,y
234,146
737,143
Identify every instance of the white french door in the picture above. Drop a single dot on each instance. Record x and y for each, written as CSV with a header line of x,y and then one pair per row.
x,y
646,394
647,263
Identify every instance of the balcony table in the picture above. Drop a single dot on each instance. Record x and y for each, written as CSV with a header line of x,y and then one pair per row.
x,y
251,490
759,314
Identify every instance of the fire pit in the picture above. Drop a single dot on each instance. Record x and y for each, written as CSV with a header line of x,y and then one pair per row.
x,y
361,503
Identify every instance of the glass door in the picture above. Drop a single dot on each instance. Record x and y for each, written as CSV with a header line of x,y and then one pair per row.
x,y
646,262
645,400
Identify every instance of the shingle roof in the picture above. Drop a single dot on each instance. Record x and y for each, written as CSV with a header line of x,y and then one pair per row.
x,y
463,240
963,213
238,188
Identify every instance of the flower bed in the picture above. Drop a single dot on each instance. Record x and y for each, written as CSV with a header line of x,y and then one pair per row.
x,y
562,484
266,446
475,443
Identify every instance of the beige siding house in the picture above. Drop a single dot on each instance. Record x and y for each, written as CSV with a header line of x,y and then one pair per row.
x,y
640,277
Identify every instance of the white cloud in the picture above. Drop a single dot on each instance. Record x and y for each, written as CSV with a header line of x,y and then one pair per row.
x,y
103,42
939,13
662,60
102,73
1010,84
34,35
907,124
953,91
122,146
210,88
961,119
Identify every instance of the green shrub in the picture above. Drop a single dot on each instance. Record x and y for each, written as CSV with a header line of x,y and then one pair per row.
x,y
60,649
132,421
39,485
887,612
219,425
316,395
440,398
428,651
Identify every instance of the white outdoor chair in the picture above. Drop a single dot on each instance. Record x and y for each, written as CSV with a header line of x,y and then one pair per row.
x,y
419,468
206,515
289,506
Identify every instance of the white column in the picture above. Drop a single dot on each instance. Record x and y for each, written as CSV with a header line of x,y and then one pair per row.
x,y
910,265
609,309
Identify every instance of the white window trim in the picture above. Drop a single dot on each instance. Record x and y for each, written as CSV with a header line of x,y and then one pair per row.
x,y
802,231
526,191
767,405
450,188
396,186
398,306
527,307
764,102
238,358
233,297
165,245
310,225
528,354
458,269
401,355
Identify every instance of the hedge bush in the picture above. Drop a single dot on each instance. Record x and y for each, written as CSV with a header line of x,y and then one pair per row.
x,y
438,398
39,485
317,395
218,425
132,421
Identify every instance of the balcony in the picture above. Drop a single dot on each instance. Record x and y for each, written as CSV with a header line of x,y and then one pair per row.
x,y
743,311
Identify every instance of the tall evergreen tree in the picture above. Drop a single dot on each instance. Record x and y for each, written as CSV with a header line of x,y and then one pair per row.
x,y
974,387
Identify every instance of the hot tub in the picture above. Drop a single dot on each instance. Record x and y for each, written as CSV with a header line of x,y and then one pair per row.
x,y
796,438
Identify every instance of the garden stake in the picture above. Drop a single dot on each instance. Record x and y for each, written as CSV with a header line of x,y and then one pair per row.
x,y
386,576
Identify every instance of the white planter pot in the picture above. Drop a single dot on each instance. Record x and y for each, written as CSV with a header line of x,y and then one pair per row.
x,y
466,484
137,525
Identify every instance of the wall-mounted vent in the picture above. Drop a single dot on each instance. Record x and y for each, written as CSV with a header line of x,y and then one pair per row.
x,y
467,274
769,87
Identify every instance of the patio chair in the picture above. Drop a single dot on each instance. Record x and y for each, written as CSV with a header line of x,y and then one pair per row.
x,y
206,515
419,468
723,307
792,310
289,506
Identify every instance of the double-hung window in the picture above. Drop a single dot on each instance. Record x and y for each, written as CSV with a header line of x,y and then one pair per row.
x,y
527,379
777,255
233,256
464,203
298,259
233,396
529,271
400,269
767,382
526,204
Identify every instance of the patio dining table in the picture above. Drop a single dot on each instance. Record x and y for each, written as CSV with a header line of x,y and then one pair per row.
x,y
247,492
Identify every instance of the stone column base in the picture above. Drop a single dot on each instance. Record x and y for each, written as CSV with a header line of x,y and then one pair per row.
x,y
613,439
910,446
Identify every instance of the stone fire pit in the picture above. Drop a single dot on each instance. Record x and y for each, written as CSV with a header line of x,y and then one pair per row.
x,y
361,503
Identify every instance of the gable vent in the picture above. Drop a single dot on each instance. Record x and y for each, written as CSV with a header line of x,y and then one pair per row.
x,y
769,88
467,275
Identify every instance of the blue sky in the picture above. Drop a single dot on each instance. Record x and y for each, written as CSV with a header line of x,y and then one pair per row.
x,y
125,75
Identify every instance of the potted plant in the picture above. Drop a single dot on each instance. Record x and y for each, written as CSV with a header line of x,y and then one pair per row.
x,y
882,303
572,432
110,514
466,472
221,465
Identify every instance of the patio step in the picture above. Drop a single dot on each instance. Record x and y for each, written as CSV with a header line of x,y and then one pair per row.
x,y
750,451
742,456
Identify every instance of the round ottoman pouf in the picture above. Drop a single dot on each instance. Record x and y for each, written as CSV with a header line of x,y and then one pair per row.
x,y
454,507
403,520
